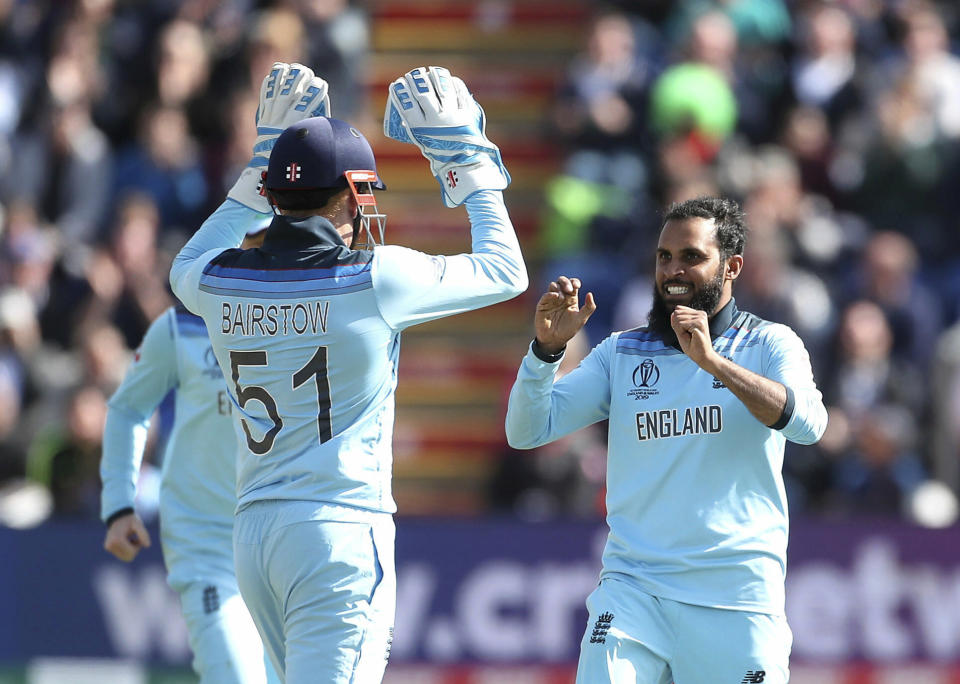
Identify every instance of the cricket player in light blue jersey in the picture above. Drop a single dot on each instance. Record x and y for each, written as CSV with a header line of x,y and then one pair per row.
x,y
307,332
197,491
700,403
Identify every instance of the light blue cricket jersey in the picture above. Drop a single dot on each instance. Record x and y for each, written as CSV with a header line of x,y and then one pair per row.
x,y
695,498
307,332
197,495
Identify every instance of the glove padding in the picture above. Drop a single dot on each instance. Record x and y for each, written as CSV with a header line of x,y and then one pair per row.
x,y
433,110
288,94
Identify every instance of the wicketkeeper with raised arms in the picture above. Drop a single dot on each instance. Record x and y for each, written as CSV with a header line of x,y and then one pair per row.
x,y
306,330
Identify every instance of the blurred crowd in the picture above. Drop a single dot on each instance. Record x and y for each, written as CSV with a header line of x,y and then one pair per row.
x,y
122,125
835,124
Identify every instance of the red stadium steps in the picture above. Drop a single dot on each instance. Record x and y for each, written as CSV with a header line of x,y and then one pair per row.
x,y
445,27
455,372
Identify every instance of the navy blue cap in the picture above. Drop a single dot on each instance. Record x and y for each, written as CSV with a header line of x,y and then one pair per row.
x,y
314,153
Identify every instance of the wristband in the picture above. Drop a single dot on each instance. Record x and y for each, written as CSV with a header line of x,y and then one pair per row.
x,y
544,356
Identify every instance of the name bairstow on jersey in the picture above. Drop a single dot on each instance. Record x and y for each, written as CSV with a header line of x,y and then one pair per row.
x,y
274,319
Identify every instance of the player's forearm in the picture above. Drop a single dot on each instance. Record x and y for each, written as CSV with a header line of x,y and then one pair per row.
x,y
495,244
540,410
124,438
527,423
766,399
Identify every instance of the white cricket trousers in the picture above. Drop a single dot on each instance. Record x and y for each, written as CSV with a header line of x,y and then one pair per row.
x,y
320,583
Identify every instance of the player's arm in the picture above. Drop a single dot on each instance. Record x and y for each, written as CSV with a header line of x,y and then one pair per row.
x,y
784,397
414,287
223,229
541,410
433,110
151,375
786,361
289,93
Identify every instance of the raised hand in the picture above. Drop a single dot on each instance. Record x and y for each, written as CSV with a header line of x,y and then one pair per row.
x,y
430,108
288,94
559,315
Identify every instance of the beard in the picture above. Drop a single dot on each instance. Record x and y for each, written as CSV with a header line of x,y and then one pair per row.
x,y
705,298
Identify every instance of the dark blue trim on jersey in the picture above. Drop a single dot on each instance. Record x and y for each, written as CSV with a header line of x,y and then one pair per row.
x,y
291,293
187,322
286,275
661,351
787,411
302,257
646,341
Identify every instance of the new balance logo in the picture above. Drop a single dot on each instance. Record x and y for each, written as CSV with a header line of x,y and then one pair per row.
x,y
293,172
452,179
600,628
211,600
753,677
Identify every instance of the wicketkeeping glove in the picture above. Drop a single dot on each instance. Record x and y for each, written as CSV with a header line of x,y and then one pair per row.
x,y
434,111
288,94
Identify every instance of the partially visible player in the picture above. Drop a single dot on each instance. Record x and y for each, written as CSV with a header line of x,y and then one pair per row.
x,y
307,330
700,405
197,491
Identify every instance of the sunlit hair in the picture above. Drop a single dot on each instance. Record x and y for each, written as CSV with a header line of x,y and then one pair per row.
x,y
731,229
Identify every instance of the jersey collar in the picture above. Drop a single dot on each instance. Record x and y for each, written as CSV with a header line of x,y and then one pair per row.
x,y
287,233
723,319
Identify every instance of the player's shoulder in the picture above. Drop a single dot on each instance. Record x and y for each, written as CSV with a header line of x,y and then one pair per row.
x,y
185,323
749,327
253,272
316,257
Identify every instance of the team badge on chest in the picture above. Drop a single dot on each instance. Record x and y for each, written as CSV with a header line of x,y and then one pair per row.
x,y
645,377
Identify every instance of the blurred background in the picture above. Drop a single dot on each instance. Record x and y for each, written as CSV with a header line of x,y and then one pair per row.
x,y
836,125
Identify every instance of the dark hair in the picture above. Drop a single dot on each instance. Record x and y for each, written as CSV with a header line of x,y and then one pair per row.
x,y
303,200
731,229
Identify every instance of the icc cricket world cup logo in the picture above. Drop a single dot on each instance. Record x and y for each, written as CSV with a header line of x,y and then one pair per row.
x,y
646,374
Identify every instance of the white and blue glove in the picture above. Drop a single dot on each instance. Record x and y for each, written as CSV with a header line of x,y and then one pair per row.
x,y
288,94
433,110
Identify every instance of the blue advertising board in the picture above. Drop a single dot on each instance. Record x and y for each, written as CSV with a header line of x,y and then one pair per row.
x,y
494,591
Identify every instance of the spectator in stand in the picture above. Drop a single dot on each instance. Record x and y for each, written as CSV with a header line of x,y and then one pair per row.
x,y
62,166
865,372
134,248
599,109
275,35
902,151
105,357
165,163
183,75
775,289
74,464
339,39
820,239
824,72
930,64
806,136
882,469
889,276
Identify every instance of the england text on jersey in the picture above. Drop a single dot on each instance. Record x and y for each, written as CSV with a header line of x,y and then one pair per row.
x,y
672,423
274,319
